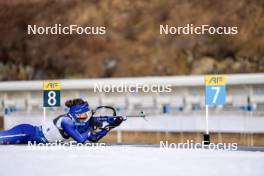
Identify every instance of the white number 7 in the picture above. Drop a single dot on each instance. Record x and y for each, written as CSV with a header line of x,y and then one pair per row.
x,y
217,90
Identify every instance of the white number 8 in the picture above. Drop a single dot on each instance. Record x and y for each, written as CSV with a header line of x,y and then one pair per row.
x,y
52,98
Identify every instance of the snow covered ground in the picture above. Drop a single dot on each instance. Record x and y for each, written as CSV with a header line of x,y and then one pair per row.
x,y
128,161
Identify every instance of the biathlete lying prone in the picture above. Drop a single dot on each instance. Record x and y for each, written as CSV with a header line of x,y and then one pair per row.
x,y
78,124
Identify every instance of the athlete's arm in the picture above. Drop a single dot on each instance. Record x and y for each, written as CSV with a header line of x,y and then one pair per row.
x,y
68,126
96,136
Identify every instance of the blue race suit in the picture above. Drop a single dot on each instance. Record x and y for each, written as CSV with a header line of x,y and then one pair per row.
x,y
61,129
22,134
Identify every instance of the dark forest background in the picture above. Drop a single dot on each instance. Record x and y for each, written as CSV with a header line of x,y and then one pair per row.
x,y
132,46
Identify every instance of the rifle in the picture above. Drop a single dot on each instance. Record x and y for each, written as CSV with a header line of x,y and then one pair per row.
x,y
97,120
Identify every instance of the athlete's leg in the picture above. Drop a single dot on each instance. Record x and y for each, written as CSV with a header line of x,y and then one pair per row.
x,y
18,134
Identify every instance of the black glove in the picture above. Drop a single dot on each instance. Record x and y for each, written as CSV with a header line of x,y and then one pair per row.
x,y
115,123
95,124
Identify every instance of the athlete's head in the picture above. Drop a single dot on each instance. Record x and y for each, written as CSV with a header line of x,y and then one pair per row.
x,y
79,109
